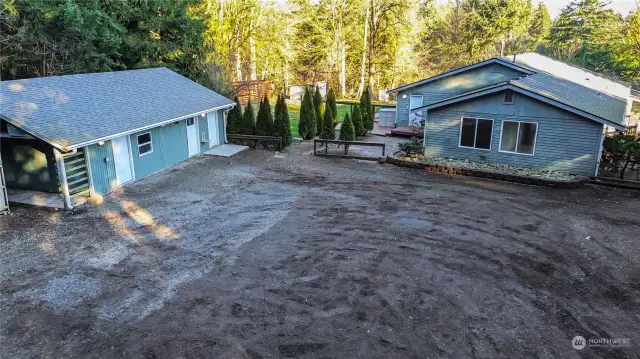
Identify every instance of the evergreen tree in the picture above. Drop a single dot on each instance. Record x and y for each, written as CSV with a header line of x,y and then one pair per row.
x,y
356,119
234,118
264,123
248,125
317,106
331,103
282,126
307,125
328,132
366,110
347,132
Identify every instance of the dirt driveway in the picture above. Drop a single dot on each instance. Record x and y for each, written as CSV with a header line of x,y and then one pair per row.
x,y
288,255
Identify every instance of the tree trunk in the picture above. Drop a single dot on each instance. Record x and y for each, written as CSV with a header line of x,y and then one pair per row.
x,y
364,53
252,51
265,71
343,70
238,65
372,66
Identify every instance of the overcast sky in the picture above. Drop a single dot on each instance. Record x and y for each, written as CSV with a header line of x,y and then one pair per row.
x,y
621,6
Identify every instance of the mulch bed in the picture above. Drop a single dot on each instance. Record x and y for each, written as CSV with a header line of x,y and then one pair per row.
x,y
456,171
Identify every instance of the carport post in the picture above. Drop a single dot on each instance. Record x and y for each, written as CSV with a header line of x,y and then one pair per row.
x,y
63,179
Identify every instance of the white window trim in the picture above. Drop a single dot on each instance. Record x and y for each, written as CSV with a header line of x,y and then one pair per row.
x,y
535,139
513,97
144,143
475,135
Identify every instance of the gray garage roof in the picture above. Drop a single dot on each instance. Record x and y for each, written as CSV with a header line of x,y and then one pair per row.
x,y
75,110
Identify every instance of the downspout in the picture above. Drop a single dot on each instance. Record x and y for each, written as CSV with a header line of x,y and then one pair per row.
x,y
599,159
62,172
224,116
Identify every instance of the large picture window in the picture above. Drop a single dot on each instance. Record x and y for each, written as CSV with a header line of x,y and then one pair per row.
x,y
518,137
144,144
476,133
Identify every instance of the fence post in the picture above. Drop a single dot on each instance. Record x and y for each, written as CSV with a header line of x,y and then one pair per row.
x,y
384,146
326,147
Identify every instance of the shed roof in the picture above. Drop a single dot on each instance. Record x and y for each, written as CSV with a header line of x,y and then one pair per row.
x,y
77,110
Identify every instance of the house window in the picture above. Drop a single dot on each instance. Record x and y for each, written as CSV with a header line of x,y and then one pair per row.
x,y
518,137
508,97
144,144
476,133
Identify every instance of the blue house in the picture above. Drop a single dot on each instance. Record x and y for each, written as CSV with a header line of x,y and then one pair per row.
x,y
79,135
527,110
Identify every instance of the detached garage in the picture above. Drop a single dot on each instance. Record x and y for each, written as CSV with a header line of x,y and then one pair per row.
x,y
78,135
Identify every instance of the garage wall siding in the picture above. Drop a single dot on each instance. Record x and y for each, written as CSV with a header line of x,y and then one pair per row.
x,y
564,141
169,148
453,85
220,118
103,173
203,128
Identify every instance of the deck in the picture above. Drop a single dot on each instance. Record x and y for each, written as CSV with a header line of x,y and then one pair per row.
x,y
42,199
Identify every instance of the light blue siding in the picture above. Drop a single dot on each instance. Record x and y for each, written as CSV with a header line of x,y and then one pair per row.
x,y
221,126
103,173
203,128
564,142
169,148
453,85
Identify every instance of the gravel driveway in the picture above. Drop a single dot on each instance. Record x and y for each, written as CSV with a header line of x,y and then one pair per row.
x,y
289,255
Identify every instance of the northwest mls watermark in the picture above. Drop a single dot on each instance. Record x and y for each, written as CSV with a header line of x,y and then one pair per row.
x,y
579,342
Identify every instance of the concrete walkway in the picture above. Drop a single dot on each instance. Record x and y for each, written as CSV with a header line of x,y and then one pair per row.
x,y
226,150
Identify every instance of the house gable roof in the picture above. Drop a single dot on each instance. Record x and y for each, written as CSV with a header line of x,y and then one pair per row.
x,y
563,99
77,110
569,72
524,70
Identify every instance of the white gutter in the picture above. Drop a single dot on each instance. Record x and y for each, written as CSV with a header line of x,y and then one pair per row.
x,y
105,138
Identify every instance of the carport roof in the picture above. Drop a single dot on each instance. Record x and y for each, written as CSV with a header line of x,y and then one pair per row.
x,y
77,110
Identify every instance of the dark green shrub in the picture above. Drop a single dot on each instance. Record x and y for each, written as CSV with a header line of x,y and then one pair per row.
x,y
328,132
356,118
414,146
281,123
331,103
366,110
248,123
317,106
264,123
307,124
234,118
347,132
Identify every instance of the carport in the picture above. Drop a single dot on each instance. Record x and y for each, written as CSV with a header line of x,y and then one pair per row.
x,y
37,173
